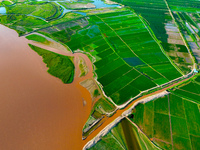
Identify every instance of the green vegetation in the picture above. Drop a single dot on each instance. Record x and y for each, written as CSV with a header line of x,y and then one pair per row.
x,y
124,135
59,66
37,38
190,91
170,122
84,69
102,108
107,142
43,10
66,17
174,114
158,19
162,127
129,58
22,24
5,3
103,105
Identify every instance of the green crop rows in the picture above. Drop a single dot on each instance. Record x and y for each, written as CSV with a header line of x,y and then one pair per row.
x,y
159,20
177,113
124,136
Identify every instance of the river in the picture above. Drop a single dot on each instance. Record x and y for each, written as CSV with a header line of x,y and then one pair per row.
x,y
38,111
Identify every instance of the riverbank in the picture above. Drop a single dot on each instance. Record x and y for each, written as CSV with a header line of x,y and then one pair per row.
x,y
36,107
122,116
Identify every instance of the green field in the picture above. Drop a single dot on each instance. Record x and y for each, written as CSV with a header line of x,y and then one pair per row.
x,y
174,114
37,38
161,23
43,10
21,23
124,135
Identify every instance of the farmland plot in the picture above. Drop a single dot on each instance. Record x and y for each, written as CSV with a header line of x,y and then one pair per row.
x,y
127,58
124,135
174,121
160,22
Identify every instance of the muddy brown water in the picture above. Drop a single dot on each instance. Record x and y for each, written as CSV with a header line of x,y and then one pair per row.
x,y
37,111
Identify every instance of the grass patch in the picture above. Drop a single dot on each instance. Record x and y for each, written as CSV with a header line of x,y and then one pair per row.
x,y
195,141
181,143
105,105
193,117
176,106
179,127
37,38
162,127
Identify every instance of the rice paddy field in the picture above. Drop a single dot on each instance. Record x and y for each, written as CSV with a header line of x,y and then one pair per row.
x,y
169,122
124,135
173,121
158,17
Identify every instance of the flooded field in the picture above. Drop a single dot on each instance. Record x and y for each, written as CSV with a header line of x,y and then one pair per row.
x,y
38,111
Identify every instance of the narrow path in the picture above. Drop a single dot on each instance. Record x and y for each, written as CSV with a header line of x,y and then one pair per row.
x,y
170,122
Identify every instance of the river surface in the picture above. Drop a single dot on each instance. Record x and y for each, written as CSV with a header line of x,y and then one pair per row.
x,y
2,10
38,111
